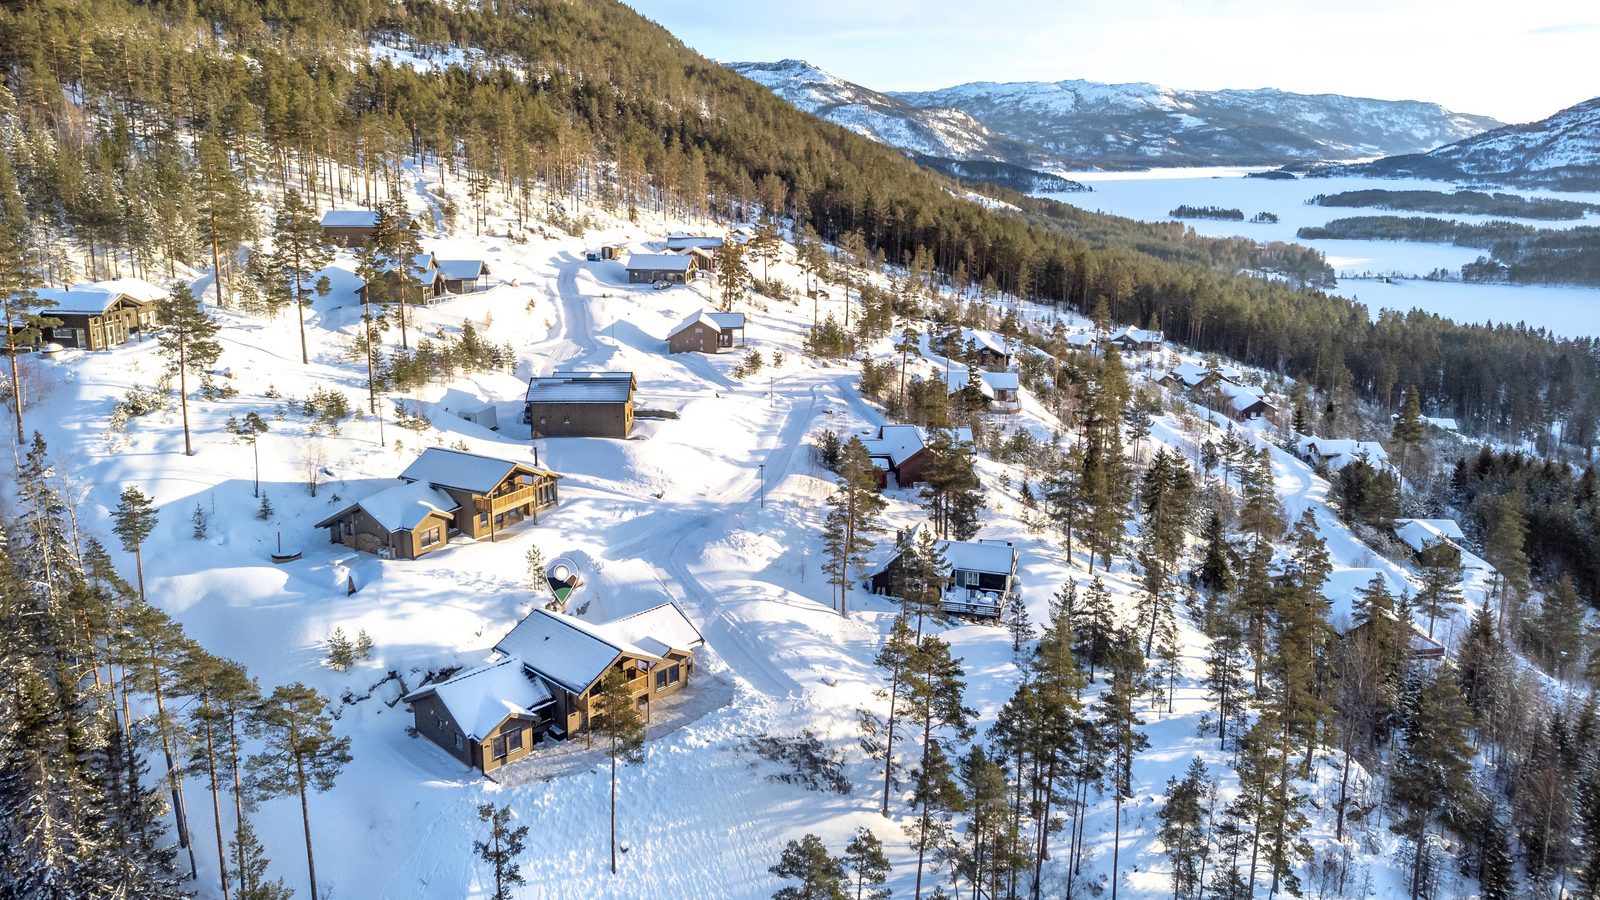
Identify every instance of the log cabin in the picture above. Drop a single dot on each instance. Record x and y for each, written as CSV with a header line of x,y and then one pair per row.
x,y
661,268
444,493
101,315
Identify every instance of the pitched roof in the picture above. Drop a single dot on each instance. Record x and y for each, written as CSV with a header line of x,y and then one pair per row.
x,y
480,699
400,508
422,265
727,319
980,556
463,471
699,317
985,340
1192,374
463,269
1241,397
350,218
988,382
94,298
897,443
137,288
574,653
1419,534
1137,335
693,241
1342,586
665,262
581,387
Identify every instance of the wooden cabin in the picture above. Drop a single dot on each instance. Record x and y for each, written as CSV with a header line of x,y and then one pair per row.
x,y
1002,391
464,276
988,349
655,649
485,717
706,332
1132,340
981,577
423,283
580,404
1244,403
350,227
100,315
901,451
661,268
443,493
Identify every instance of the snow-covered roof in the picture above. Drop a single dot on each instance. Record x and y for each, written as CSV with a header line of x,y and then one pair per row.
x,y
574,653
482,698
988,382
897,443
1136,335
423,267
986,340
659,628
1191,374
94,298
727,320
693,241
980,556
1241,397
1419,534
402,507
463,471
1080,340
581,387
1372,451
350,218
463,269
662,262
700,317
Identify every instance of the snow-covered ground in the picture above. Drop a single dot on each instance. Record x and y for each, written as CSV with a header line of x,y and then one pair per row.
x,y
1152,195
676,511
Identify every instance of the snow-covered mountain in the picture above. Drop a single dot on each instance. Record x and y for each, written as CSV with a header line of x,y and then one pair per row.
x,y
1562,151
1085,122
930,131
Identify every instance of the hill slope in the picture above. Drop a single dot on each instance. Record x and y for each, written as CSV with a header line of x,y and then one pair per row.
x,y
1562,152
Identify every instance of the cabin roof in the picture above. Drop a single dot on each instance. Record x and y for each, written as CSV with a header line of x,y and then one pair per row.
x,y
463,471
988,382
350,218
94,298
987,340
463,269
658,262
581,387
1137,335
994,556
480,699
1192,374
401,507
698,317
726,320
693,242
574,653
897,443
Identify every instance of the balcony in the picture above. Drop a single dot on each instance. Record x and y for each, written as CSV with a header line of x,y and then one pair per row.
x,y
527,494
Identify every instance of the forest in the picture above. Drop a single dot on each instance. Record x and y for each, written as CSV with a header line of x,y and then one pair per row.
x,y
1461,202
1519,253
564,92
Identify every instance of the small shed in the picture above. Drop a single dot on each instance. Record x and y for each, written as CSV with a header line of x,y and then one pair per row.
x,y
652,268
464,276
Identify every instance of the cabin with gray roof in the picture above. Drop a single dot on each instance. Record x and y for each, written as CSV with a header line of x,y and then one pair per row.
x,y
102,314
654,649
705,332
485,717
350,227
661,268
444,493
580,404
981,576
464,276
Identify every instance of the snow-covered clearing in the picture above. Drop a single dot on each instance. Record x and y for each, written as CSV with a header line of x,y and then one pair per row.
x,y
719,510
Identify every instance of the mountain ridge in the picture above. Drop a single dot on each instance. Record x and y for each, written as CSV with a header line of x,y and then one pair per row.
x,y
1078,123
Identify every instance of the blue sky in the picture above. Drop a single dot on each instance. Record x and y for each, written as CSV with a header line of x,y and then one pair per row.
x,y
1517,61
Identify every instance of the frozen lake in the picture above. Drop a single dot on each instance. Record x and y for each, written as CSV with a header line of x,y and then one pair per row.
x,y
1152,195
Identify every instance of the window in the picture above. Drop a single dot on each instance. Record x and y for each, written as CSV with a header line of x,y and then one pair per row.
x,y
65,334
459,744
514,739
438,723
431,536
499,747
667,677
661,679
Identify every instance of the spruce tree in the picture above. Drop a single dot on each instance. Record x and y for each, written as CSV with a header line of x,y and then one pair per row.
x,y
616,718
24,311
1505,549
868,866
188,341
1431,773
1182,830
1408,429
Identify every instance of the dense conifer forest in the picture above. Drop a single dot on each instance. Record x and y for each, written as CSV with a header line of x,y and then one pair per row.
x,y
133,128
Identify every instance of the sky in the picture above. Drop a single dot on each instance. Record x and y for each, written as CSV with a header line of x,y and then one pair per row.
x,y
1516,61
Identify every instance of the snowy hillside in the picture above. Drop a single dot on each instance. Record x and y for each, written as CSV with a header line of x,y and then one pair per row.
x,y
1560,152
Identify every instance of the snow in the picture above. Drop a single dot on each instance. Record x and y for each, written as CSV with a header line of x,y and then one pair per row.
x,y
668,262
459,469
581,387
482,698
560,648
462,269
896,443
404,506
96,297
725,320
349,218
701,317
664,626
980,556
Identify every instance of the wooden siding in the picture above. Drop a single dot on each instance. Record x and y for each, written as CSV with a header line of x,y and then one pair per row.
x,y
698,337
112,328
521,495
360,531
349,235
608,420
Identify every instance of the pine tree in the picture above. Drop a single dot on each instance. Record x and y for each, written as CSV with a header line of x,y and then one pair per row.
x,y
1064,497
854,508
188,341
26,313
250,429
910,344
299,250
616,718
133,520
1408,426
1120,727
1440,593
868,866
821,875
1225,681
501,850
1182,830
1558,630
1216,566
1095,627
935,685
363,647
1497,876
299,753
894,657
251,873
1504,549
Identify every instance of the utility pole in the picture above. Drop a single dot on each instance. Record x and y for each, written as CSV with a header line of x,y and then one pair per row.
x,y
762,469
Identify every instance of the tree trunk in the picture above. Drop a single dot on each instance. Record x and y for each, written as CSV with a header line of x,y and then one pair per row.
x,y
300,311
613,804
216,800
305,820
179,814
183,392
138,567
